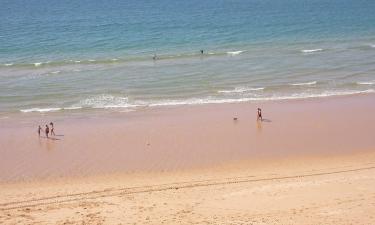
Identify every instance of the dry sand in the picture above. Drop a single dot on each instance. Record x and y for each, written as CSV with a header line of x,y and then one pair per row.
x,y
310,162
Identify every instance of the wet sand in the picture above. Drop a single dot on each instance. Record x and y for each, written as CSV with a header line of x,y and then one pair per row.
x,y
164,139
310,162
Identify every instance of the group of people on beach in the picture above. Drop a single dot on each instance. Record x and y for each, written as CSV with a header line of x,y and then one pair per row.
x,y
47,130
51,130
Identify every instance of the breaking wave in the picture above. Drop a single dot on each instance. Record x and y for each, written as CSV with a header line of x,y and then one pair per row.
x,y
304,84
311,50
240,90
109,101
234,53
366,83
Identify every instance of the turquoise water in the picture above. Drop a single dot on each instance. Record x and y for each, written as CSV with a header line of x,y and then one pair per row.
x,y
73,56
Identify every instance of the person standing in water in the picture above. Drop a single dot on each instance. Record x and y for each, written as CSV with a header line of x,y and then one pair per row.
x,y
259,115
47,131
39,130
52,129
202,51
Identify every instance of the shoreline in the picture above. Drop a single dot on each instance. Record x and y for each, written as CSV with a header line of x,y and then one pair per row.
x,y
101,113
185,137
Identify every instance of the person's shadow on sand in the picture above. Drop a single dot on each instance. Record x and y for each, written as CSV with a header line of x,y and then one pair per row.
x,y
51,138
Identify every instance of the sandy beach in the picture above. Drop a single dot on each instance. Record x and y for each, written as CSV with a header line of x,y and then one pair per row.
x,y
309,162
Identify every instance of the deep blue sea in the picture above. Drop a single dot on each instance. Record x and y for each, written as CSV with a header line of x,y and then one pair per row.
x,y
73,56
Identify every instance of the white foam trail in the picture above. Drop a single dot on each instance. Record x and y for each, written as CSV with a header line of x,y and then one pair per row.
x,y
114,59
92,60
40,110
240,90
8,64
234,53
77,61
304,84
105,101
366,83
37,64
109,101
72,108
56,72
271,98
311,50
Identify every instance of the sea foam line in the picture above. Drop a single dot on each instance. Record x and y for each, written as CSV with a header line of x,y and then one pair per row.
x,y
366,83
196,101
271,98
234,53
40,110
311,50
240,90
304,84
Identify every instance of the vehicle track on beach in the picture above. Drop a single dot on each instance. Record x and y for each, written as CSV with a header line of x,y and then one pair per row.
x,y
74,197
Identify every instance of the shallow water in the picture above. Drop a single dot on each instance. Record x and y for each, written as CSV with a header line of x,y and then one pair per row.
x,y
79,56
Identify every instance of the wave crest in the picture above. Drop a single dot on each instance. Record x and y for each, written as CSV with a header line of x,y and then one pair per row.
x,y
305,83
311,50
234,53
240,90
105,101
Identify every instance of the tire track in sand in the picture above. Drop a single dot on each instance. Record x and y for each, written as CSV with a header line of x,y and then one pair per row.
x,y
58,199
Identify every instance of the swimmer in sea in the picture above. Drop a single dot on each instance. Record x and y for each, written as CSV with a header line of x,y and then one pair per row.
x,y
202,51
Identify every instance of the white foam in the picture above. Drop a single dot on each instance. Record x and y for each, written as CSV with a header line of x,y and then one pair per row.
x,y
366,83
56,72
37,64
234,53
72,108
210,100
77,61
372,46
240,90
114,59
92,60
8,64
304,84
109,101
105,101
40,110
311,50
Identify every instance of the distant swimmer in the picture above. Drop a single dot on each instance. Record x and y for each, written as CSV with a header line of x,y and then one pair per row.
x,y
52,129
47,131
39,130
202,51
259,114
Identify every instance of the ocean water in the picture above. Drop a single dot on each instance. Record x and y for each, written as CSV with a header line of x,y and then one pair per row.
x,y
77,56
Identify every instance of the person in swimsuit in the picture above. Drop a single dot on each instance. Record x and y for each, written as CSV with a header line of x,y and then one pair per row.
x,y
52,129
47,131
39,130
259,115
